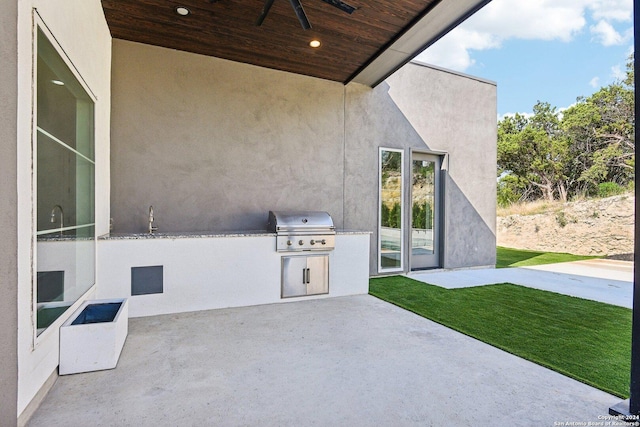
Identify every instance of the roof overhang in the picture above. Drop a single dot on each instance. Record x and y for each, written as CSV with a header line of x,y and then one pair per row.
x,y
364,46
445,16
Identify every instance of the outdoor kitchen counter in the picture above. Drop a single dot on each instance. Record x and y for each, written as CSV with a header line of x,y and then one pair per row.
x,y
191,271
206,234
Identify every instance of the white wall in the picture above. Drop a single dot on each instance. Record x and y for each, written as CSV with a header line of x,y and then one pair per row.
x,y
8,211
206,273
80,28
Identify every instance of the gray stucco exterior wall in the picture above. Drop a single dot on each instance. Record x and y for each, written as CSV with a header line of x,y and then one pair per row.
x,y
8,213
215,145
427,109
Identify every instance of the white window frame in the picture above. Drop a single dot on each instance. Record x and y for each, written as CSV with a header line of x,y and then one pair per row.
x,y
402,213
39,24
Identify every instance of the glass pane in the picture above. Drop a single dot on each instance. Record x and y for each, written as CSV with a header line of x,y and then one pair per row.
x,y
64,109
65,271
422,207
65,186
65,206
390,209
56,184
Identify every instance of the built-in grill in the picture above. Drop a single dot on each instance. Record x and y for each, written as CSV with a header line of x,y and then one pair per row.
x,y
311,232
302,230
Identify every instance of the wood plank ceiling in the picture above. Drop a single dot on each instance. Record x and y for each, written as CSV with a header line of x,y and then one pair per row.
x,y
227,29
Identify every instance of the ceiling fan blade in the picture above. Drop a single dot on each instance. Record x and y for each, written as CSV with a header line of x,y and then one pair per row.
x,y
265,10
302,17
341,5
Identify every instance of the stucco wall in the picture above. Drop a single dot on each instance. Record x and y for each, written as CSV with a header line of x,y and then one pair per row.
x,y
8,212
80,29
457,114
215,145
428,109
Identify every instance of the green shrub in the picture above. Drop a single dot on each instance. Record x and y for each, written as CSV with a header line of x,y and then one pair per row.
x,y
561,219
506,196
607,189
421,216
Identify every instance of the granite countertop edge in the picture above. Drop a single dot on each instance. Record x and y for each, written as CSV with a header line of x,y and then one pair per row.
x,y
205,234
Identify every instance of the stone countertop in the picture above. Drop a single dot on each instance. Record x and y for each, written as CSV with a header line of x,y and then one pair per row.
x,y
205,234
186,235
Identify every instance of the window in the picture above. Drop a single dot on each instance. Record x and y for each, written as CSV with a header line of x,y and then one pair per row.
x,y
64,191
390,215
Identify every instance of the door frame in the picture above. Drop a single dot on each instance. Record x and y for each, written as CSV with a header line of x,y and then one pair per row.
x,y
403,199
442,159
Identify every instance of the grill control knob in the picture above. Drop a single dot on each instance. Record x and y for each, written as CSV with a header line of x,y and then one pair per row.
x,y
323,241
301,242
289,243
313,242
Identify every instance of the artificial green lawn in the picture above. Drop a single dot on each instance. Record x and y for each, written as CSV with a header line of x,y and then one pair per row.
x,y
507,257
586,340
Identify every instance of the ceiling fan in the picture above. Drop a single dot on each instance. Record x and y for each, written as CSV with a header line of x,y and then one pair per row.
x,y
302,17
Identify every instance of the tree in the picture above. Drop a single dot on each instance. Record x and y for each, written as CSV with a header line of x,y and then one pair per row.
x,y
589,144
534,150
601,130
395,220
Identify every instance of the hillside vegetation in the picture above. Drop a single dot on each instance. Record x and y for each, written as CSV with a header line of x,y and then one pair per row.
x,y
602,227
586,149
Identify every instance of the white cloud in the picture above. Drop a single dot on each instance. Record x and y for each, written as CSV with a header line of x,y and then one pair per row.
x,y
528,115
594,82
505,115
631,50
617,73
612,10
561,110
541,20
604,33
501,20
453,50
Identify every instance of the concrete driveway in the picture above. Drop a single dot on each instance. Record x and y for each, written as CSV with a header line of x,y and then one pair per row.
x,y
351,361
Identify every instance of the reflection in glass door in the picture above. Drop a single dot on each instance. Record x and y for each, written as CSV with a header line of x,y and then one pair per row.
x,y
425,207
390,225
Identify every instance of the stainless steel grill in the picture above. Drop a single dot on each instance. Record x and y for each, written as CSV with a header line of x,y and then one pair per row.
x,y
302,230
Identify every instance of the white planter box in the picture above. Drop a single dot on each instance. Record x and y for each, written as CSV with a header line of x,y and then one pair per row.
x,y
93,337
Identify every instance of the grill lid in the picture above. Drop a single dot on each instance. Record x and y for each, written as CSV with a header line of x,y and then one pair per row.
x,y
300,221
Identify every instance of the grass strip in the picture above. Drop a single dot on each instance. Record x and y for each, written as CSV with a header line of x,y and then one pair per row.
x,y
508,257
585,340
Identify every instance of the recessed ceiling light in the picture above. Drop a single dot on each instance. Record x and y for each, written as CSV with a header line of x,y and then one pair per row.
x,y
314,43
57,82
182,11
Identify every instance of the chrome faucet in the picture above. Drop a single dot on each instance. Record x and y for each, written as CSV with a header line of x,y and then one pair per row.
x,y
152,228
53,216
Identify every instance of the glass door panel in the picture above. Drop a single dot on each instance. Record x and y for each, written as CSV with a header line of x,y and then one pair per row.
x,y
424,211
390,229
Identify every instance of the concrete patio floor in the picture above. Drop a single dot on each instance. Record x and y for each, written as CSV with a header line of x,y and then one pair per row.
x,y
350,361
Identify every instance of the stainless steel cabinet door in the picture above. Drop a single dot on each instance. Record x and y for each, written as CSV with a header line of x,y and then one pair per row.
x,y
317,275
305,275
294,276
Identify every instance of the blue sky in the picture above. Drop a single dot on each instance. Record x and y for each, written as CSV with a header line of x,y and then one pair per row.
x,y
552,51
